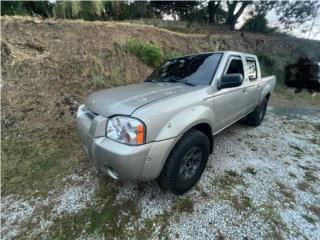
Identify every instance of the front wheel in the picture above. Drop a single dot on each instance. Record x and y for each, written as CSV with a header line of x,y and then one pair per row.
x,y
256,117
186,163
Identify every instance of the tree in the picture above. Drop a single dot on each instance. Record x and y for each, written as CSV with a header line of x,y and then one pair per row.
x,y
43,9
291,13
89,10
257,23
13,8
233,14
180,8
298,12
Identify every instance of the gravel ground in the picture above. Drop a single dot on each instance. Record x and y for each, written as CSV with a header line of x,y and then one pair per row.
x,y
260,183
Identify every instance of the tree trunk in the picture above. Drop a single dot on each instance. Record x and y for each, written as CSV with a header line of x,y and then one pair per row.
x,y
213,6
233,17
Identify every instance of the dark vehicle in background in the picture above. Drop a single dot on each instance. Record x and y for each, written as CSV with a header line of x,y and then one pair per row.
x,y
303,74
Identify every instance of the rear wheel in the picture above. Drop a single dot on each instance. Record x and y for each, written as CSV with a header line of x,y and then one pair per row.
x,y
256,117
186,163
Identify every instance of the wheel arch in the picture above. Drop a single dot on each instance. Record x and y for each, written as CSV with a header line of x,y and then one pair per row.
x,y
206,129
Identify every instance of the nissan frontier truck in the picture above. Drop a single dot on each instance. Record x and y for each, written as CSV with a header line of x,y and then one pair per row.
x,y
164,127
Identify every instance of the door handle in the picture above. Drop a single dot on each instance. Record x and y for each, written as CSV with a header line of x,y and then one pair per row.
x,y
245,90
258,86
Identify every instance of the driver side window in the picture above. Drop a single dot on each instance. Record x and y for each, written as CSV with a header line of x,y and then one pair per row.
x,y
235,66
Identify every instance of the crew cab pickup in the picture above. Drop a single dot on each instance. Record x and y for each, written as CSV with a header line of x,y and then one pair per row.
x,y
164,128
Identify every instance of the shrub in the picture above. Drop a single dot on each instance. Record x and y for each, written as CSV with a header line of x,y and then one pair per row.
x,y
172,54
148,53
258,24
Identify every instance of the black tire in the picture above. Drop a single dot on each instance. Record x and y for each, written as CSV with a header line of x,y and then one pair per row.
x,y
256,117
185,163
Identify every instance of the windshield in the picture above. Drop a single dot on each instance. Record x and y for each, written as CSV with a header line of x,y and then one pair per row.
x,y
193,70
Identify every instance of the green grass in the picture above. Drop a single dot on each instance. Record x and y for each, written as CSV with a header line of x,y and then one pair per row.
x,y
309,219
103,217
250,170
228,180
173,54
310,176
149,53
183,205
32,165
304,186
268,212
286,192
242,203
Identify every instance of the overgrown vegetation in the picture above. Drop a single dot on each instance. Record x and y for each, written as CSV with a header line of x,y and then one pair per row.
x,y
149,53
217,12
258,24
183,205
27,160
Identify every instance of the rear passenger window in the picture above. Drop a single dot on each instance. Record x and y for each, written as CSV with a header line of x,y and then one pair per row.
x,y
252,69
235,66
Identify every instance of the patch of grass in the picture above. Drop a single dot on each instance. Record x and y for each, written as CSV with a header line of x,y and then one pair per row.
x,y
315,141
295,147
116,76
183,205
32,165
172,54
291,174
286,192
250,170
228,180
232,173
241,203
309,219
103,217
315,210
88,221
148,53
97,73
304,186
304,167
98,80
254,149
267,211
309,176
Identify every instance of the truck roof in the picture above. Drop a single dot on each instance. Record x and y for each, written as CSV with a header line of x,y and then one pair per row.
x,y
223,52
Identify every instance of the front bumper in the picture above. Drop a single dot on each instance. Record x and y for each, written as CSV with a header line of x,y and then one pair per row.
x,y
120,161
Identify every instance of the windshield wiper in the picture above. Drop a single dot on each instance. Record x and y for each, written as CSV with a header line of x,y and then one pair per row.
x,y
173,80
177,81
151,80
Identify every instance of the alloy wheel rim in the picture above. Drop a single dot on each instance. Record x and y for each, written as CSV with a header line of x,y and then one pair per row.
x,y
190,163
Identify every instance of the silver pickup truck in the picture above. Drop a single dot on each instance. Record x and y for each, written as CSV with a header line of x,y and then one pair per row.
x,y
164,128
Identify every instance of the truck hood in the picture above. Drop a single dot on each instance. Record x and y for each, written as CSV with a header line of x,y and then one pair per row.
x,y
125,100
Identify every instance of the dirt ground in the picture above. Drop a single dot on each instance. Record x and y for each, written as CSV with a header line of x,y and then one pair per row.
x,y
260,182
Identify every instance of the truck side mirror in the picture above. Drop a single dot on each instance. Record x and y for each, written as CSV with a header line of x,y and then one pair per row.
x,y
230,80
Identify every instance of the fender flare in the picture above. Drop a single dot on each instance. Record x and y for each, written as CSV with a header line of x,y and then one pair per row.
x,y
185,120
265,91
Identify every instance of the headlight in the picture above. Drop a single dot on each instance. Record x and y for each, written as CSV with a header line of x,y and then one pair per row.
x,y
126,130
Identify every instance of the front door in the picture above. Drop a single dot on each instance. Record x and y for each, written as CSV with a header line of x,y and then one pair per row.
x,y
229,103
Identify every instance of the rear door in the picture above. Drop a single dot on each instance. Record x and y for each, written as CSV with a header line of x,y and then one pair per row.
x,y
252,83
230,103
